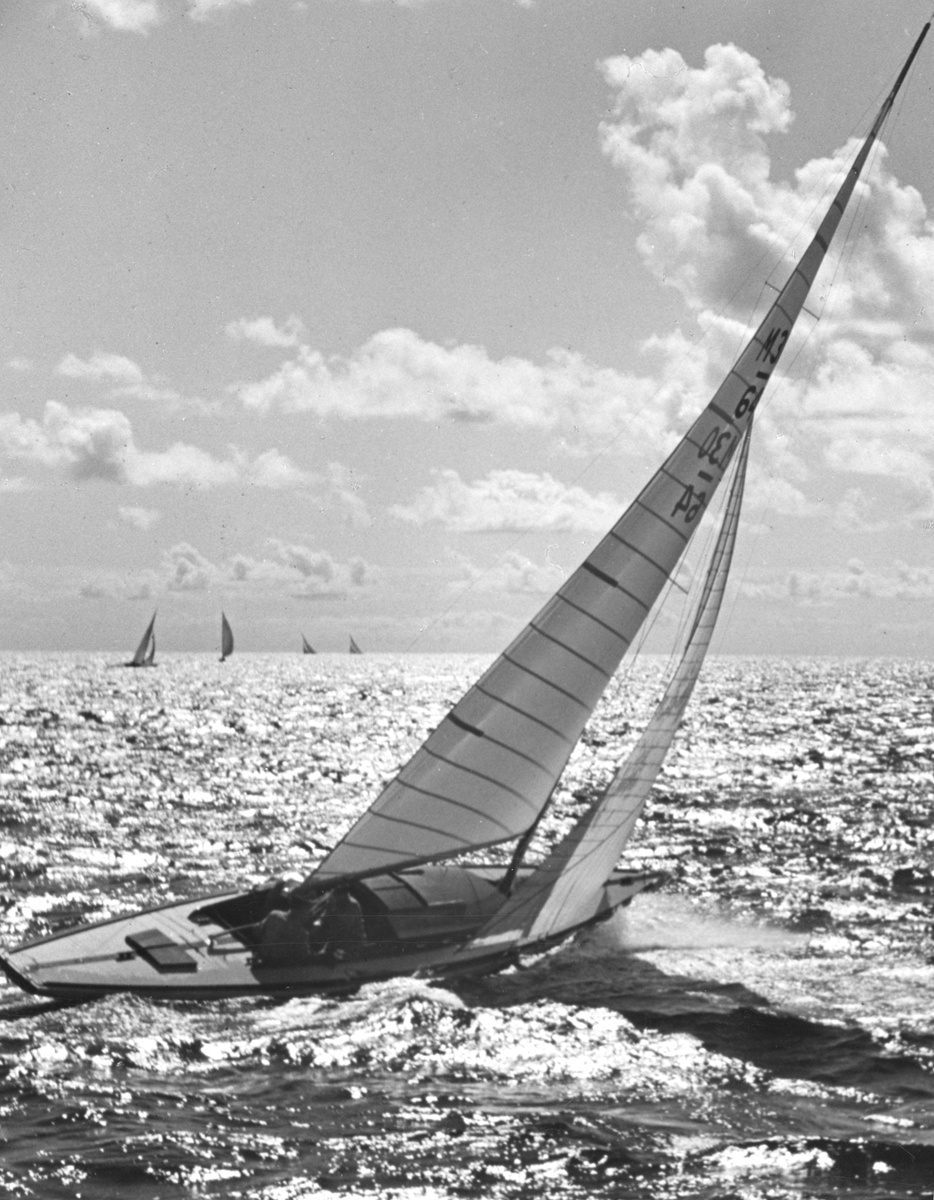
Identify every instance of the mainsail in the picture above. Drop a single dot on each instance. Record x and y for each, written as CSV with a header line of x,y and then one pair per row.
x,y
486,773
354,648
307,647
227,642
566,890
146,650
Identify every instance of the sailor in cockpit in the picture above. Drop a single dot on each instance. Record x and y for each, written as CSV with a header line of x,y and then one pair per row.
x,y
298,930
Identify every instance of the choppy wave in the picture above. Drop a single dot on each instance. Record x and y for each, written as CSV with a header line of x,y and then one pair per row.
x,y
760,1028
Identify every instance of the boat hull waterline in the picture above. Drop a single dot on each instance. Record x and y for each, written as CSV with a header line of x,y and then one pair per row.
x,y
189,950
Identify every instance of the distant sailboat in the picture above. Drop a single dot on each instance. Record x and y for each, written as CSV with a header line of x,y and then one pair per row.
x,y
354,648
227,642
145,655
395,895
307,647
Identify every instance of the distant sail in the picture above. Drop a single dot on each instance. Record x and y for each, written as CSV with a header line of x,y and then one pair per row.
x,y
227,642
354,648
307,648
566,889
146,650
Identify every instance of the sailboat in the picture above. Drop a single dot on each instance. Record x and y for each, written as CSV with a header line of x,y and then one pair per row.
x,y
145,655
402,893
354,648
307,647
227,642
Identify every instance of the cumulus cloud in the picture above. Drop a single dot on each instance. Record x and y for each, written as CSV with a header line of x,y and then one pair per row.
x,y
100,366
98,444
131,16
203,10
112,585
508,502
185,569
397,374
855,581
514,573
322,576
285,568
124,377
308,574
139,518
691,142
692,145
265,332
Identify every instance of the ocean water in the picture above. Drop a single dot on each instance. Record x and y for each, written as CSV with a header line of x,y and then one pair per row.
x,y
761,1026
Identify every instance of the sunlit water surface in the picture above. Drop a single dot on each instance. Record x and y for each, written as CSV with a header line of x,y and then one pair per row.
x,y
761,1027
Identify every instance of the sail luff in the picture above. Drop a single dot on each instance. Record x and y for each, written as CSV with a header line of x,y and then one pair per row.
x,y
496,756
566,889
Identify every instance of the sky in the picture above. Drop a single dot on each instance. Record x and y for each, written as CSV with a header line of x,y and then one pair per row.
x,y
351,317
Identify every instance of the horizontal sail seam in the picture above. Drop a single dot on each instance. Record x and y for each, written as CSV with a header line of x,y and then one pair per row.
x,y
548,682
442,800
570,650
468,771
528,716
635,550
662,520
467,843
585,612
458,766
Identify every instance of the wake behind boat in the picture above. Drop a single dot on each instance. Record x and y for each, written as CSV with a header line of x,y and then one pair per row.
x,y
390,899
